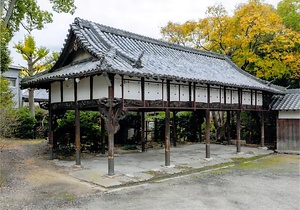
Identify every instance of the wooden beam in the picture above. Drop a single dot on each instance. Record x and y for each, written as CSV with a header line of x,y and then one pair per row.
x,y
91,87
167,127
77,127
228,119
61,91
194,95
143,130
262,141
208,96
103,144
50,134
174,129
143,90
238,131
207,134
111,133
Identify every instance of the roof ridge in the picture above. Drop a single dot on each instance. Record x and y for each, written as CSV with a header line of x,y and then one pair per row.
x,y
144,38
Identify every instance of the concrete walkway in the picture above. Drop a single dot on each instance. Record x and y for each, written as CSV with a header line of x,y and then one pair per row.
x,y
140,167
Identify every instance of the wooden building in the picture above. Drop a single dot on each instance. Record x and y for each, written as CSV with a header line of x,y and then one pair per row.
x,y
113,71
288,121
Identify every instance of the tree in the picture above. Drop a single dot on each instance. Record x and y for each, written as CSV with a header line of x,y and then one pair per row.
x,y
289,10
254,38
37,61
28,14
7,114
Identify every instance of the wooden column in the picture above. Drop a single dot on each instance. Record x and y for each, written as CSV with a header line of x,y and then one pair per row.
x,y
207,134
155,130
238,131
174,129
262,141
167,127
110,130
50,134
143,130
111,109
228,119
103,136
77,126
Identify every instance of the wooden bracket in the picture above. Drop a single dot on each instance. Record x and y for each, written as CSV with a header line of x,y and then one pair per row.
x,y
111,114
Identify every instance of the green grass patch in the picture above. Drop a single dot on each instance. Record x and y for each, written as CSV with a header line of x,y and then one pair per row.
x,y
184,168
264,161
70,197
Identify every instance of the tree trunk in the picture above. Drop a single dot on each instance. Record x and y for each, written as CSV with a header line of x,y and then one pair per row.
x,y
219,123
9,11
31,101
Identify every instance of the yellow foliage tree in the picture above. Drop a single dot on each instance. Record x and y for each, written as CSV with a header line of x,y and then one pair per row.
x,y
254,38
37,61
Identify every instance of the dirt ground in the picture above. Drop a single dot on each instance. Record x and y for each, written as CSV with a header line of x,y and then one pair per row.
x,y
28,178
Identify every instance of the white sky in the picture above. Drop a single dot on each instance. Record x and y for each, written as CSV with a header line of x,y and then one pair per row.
x,y
144,17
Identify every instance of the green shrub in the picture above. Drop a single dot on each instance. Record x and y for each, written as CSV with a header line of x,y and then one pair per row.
x,y
41,115
89,130
7,112
26,123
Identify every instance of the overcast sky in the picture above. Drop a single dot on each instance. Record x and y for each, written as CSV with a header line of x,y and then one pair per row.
x,y
144,17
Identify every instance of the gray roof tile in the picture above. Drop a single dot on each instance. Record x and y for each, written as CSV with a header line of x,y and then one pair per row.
x,y
289,101
121,49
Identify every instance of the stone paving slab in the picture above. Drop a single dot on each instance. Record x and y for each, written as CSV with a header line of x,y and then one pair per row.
x,y
140,167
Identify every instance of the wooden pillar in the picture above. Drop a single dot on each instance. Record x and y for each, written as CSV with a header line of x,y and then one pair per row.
x,y
262,141
155,130
207,134
50,134
167,127
167,137
143,130
228,121
238,131
110,130
103,136
111,109
174,129
77,127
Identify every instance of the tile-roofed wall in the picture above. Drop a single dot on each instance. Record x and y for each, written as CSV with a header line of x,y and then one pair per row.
x,y
289,101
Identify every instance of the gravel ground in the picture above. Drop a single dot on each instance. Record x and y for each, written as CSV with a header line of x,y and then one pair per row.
x,y
29,181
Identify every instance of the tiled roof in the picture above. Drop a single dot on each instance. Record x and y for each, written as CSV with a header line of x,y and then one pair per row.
x,y
289,101
119,51
40,94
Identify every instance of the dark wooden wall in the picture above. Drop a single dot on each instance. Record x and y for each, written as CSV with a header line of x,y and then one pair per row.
x,y
288,134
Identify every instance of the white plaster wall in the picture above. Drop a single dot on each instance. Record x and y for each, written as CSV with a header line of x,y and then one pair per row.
x,y
201,94
184,92
259,99
214,95
55,92
174,92
80,55
228,96
289,114
118,86
153,91
68,90
235,98
132,89
83,89
222,95
100,87
246,98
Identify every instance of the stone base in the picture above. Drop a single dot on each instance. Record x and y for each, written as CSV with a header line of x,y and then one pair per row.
x,y
233,142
